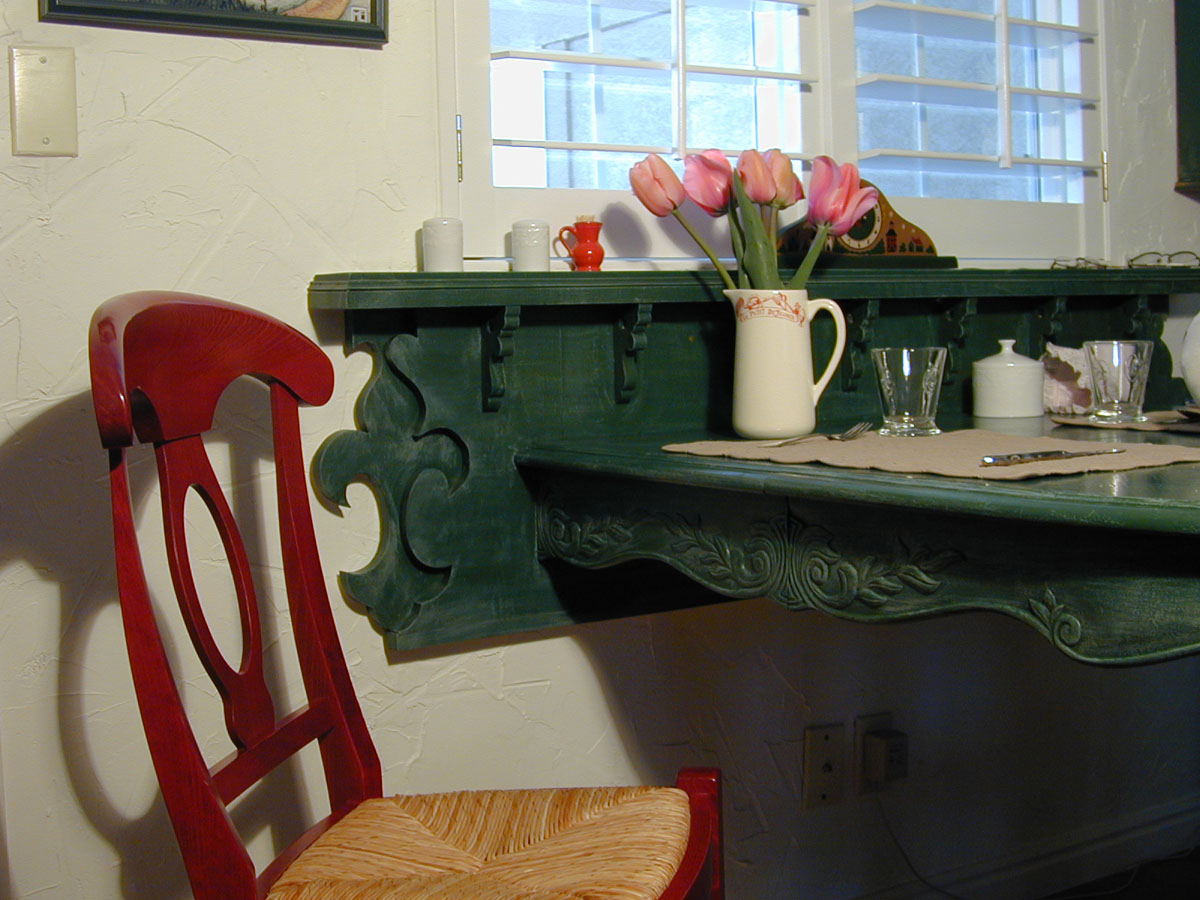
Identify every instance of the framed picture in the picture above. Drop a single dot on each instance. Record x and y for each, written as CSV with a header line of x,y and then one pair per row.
x,y
356,22
1187,96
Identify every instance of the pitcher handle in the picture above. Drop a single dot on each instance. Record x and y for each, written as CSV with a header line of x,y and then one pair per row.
x,y
561,239
839,346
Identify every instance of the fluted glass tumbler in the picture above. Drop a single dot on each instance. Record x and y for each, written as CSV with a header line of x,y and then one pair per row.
x,y
1119,371
910,382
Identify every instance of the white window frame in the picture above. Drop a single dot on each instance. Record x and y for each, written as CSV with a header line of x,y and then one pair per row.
x,y
998,233
989,233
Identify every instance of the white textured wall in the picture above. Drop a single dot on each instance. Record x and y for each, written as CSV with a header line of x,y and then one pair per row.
x,y
1143,212
241,168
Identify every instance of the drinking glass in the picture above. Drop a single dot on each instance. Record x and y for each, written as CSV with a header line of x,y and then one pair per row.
x,y
1119,372
910,381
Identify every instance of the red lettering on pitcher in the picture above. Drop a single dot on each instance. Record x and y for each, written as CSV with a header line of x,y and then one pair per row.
x,y
773,305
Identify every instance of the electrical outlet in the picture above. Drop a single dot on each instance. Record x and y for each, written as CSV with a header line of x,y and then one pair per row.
x,y
885,755
863,725
824,773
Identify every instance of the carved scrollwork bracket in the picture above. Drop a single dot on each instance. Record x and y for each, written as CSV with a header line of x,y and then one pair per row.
x,y
1143,322
860,333
1053,314
957,322
497,344
629,340
783,558
391,451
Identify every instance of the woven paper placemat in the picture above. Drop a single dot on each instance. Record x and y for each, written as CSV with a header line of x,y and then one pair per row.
x,y
1160,420
954,453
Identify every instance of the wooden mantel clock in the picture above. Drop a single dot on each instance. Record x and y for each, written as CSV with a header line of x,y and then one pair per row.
x,y
882,232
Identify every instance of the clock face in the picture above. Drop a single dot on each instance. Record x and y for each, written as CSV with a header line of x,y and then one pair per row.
x,y
865,233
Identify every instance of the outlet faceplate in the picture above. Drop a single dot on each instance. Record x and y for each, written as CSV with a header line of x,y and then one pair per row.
x,y
824,772
863,724
42,101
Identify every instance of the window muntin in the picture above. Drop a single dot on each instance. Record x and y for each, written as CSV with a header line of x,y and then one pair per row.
x,y
588,84
964,99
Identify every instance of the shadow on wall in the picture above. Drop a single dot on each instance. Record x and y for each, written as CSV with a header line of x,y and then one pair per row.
x,y
736,684
54,472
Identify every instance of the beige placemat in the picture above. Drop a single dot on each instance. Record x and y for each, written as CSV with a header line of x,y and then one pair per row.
x,y
955,453
1160,420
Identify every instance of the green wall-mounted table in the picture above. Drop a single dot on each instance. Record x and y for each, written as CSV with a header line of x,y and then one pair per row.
x,y
511,431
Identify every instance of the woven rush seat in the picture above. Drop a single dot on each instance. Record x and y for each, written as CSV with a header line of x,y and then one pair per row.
x,y
498,845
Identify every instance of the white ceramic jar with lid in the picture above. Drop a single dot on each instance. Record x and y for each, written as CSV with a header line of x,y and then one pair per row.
x,y
1007,385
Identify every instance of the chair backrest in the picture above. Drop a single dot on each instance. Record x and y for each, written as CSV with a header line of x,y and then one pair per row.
x,y
159,364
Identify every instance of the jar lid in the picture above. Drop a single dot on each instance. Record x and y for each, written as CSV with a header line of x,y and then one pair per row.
x,y
1008,358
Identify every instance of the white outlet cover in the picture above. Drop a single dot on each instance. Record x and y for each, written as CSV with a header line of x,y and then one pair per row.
x,y
43,109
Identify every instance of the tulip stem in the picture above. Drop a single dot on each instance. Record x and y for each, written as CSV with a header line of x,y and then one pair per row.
x,y
724,273
800,279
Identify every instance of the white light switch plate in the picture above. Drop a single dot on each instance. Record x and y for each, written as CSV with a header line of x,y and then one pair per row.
x,y
44,118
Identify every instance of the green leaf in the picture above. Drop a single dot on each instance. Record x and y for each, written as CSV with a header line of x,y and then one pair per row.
x,y
800,279
758,254
737,237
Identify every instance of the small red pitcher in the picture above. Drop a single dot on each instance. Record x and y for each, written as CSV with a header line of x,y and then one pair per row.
x,y
587,253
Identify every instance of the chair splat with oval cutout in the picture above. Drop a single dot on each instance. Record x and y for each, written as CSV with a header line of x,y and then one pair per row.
x,y
184,465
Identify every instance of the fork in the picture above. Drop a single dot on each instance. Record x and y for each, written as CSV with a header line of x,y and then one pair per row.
x,y
848,435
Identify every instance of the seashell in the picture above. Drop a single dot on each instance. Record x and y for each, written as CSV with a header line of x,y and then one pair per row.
x,y
1067,389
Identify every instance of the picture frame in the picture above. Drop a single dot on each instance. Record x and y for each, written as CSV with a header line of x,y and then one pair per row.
x,y
1187,97
353,22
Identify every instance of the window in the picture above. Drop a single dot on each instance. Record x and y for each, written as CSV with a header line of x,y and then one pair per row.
x,y
958,99
581,91
946,105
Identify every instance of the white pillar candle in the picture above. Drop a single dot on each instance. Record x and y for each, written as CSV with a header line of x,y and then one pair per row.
x,y
442,245
530,246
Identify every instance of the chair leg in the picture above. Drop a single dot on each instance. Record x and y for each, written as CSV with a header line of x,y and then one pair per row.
x,y
702,873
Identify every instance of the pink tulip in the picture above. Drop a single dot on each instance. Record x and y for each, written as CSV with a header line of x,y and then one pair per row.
x,y
788,189
826,179
756,176
656,185
708,180
836,197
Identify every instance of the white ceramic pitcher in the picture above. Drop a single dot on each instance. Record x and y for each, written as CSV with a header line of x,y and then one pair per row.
x,y
774,392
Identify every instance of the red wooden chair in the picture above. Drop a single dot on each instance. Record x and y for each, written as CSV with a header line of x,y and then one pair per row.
x,y
159,364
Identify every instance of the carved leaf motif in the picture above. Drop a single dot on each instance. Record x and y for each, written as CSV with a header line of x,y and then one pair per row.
x,y
782,558
871,580
1065,629
878,582
1041,610
718,561
796,565
880,592
591,541
599,538
917,572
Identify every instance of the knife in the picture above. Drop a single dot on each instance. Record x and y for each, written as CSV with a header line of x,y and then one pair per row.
x,y
1012,459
